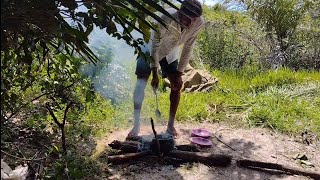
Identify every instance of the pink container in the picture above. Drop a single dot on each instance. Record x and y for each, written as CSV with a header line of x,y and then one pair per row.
x,y
201,141
200,133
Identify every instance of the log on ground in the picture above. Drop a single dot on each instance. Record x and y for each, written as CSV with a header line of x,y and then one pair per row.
x,y
273,166
210,159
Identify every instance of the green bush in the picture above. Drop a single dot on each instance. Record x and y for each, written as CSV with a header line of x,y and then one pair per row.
x,y
98,117
305,54
229,40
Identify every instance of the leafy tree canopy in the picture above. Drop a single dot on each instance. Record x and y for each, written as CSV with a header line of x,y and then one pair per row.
x,y
38,26
39,36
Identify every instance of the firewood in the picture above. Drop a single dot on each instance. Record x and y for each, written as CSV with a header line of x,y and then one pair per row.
x,y
205,158
118,159
133,146
126,146
188,147
210,159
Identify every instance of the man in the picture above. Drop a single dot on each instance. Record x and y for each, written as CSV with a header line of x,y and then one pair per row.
x,y
164,52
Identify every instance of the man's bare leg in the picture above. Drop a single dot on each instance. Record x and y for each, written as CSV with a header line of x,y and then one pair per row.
x,y
174,103
138,96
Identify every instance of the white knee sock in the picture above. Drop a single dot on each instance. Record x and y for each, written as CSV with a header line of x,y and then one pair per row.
x,y
138,97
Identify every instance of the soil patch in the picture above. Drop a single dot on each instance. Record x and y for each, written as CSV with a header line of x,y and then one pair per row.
x,y
255,144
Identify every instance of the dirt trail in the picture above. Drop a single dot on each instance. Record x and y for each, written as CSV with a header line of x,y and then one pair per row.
x,y
256,143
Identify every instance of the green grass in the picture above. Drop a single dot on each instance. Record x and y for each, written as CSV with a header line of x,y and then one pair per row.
x,y
253,79
283,100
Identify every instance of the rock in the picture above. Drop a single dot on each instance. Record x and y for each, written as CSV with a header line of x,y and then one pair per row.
x,y
5,168
195,80
19,173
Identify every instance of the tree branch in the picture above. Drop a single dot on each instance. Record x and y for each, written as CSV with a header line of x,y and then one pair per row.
x,y
65,112
24,105
24,159
53,116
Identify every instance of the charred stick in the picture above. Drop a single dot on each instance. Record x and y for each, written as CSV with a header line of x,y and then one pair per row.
x,y
156,138
117,159
205,158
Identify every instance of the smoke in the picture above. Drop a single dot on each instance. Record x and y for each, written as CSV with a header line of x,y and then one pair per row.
x,y
113,77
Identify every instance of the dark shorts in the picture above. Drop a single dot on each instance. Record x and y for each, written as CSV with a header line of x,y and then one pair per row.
x,y
143,67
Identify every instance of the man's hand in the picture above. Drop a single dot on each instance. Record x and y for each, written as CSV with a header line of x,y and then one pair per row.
x,y
155,78
175,81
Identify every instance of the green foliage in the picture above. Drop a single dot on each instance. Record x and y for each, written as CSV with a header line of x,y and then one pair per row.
x,y
279,16
292,34
34,32
272,34
97,119
306,54
31,27
72,165
229,40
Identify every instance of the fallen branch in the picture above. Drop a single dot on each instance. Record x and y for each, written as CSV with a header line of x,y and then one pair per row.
x,y
23,159
273,166
224,143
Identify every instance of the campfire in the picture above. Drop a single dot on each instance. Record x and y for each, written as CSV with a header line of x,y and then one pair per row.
x,y
164,145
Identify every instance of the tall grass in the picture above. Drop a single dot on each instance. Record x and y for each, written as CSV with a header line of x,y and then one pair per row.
x,y
283,100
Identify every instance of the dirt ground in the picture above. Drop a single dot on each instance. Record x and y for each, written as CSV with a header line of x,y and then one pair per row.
x,y
255,144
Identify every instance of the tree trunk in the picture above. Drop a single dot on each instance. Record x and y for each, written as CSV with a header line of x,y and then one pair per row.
x,y
63,139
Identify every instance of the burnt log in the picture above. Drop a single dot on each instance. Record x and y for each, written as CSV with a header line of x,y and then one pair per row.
x,y
188,147
133,146
118,159
210,159
126,146
205,158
